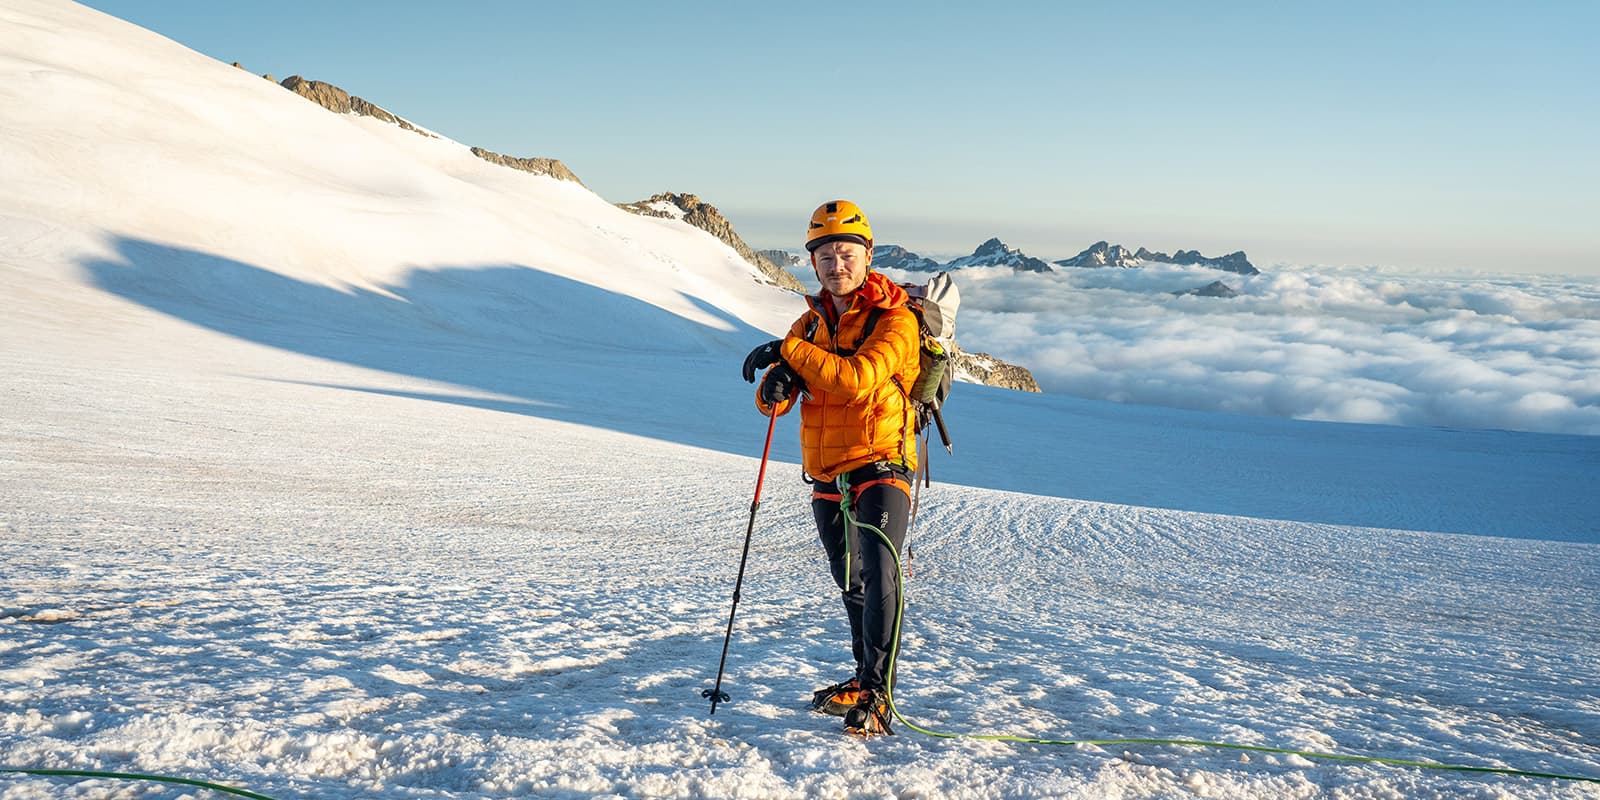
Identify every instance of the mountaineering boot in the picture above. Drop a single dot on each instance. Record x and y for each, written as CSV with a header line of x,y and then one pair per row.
x,y
838,699
869,716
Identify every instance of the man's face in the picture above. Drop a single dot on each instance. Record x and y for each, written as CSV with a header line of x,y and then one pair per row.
x,y
841,266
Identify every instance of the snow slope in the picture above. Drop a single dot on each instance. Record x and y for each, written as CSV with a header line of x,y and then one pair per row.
x,y
338,463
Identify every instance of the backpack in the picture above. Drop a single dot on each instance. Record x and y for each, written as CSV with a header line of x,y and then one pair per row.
x,y
934,304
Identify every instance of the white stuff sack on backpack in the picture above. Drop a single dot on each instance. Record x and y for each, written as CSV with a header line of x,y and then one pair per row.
x,y
938,299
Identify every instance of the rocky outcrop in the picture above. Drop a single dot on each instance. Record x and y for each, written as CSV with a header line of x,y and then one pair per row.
x,y
323,94
990,371
341,102
537,166
1212,289
893,256
706,217
995,253
1101,254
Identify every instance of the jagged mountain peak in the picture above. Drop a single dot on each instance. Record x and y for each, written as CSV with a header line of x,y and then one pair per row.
x,y
1105,254
996,253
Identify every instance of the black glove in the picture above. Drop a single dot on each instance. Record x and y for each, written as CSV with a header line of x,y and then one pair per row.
x,y
780,384
760,358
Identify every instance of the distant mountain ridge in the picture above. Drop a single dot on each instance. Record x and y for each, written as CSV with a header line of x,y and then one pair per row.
x,y
1103,254
995,253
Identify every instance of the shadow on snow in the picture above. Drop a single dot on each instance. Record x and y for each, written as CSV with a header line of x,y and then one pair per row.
x,y
546,345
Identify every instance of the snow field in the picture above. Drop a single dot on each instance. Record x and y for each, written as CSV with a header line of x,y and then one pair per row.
x,y
465,602
337,463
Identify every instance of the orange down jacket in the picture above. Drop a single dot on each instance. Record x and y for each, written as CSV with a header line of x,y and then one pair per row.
x,y
857,411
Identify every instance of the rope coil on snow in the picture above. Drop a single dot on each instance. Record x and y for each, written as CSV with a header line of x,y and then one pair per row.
x,y
844,504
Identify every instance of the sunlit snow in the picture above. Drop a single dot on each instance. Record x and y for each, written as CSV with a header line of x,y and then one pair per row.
x,y
339,463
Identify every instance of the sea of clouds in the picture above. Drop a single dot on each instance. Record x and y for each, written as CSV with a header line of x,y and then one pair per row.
x,y
1354,345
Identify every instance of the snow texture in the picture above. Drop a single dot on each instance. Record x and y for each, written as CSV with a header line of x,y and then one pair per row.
x,y
339,463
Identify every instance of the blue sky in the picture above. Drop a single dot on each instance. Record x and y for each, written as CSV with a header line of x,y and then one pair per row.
x,y
1419,135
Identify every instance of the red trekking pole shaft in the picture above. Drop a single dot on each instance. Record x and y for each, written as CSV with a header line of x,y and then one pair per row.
x,y
715,694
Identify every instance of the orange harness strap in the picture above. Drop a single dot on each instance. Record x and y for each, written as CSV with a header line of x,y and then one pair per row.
x,y
821,494
896,482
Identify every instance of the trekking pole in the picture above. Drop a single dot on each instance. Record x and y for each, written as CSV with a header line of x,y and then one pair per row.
x,y
715,694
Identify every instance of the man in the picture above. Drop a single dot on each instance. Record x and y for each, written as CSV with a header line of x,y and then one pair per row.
x,y
850,360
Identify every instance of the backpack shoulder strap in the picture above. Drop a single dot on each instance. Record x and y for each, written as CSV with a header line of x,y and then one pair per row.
x,y
811,327
873,315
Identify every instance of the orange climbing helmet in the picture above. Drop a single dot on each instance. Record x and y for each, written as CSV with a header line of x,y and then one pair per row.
x,y
838,221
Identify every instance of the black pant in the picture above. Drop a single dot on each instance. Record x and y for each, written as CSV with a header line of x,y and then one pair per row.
x,y
872,587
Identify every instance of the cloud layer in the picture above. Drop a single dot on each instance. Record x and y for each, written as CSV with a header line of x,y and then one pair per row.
x,y
1517,353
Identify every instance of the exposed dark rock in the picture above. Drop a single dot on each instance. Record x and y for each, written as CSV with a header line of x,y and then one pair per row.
x,y
537,166
991,371
341,102
323,94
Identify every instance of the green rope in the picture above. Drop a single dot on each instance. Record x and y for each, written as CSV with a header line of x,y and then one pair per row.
x,y
128,776
894,654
